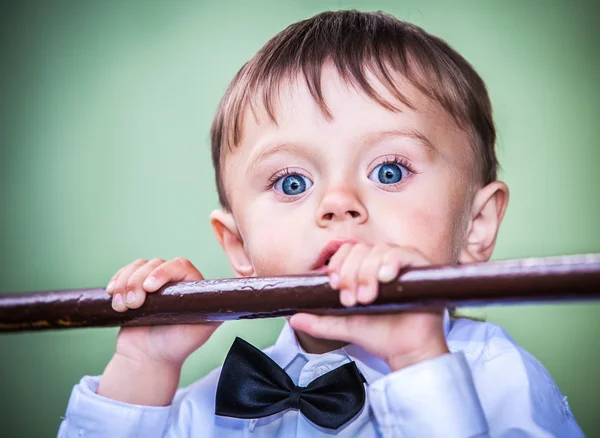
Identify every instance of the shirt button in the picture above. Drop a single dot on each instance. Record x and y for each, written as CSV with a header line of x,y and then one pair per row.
x,y
252,425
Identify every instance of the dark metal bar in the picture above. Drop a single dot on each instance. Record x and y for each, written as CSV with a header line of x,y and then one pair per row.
x,y
553,279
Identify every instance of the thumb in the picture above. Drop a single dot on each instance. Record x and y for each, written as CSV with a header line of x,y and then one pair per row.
x,y
323,327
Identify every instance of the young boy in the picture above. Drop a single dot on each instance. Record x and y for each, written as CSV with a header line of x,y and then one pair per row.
x,y
351,144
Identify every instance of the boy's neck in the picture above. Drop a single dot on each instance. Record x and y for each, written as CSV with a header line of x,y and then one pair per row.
x,y
313,345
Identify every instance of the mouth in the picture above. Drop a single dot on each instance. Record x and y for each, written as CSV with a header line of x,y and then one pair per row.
x,y
322,262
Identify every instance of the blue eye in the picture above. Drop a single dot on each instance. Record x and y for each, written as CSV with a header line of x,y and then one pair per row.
x,y
388,173
293,185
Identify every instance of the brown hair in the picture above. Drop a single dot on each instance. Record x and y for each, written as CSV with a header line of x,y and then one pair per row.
x,y
353,42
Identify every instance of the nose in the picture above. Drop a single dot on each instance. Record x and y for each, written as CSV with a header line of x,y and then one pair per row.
x,y
341,205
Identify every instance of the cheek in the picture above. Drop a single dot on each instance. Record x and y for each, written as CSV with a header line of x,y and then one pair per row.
x,y
273,243
267,259
433,235
426,227
435,218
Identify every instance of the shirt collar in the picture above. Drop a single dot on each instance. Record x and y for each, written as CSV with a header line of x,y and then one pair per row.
x,y
447,323
287,347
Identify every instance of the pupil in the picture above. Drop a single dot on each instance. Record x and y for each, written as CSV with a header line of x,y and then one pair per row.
x,y
293,185
390,174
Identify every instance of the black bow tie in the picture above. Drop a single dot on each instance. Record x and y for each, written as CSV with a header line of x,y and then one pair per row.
x,y
252,385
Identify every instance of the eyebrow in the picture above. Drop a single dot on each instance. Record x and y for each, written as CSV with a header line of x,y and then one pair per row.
x,y
292,148
405,132
365,140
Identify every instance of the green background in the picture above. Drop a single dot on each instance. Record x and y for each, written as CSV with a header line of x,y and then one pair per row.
x,y
105,108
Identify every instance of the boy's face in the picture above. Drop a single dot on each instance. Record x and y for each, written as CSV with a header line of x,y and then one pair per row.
x,y
368,175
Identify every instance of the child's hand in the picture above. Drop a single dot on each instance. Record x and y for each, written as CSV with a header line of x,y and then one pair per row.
x,y
146,367
401,339
172,343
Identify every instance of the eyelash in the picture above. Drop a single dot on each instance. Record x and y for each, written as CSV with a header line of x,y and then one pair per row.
x,y
399,161
386,160
278,175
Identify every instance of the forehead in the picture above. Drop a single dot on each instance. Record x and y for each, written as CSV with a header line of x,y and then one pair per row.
x,y
354,114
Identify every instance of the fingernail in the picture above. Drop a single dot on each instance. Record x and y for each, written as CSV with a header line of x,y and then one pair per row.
x,y
150,282
346,298
117,301
363,293
334,280
110,287
386,274
130,297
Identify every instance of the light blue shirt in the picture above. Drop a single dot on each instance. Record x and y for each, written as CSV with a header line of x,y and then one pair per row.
x,y
487,386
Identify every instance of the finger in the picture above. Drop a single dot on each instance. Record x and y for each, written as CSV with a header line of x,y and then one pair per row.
x,y
323,327
335,264
113,281
396,259
349,274
178,269
368,285
118,301
135,293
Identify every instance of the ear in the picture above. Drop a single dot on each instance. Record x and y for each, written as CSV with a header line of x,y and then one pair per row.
x,y
225,228
487,211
